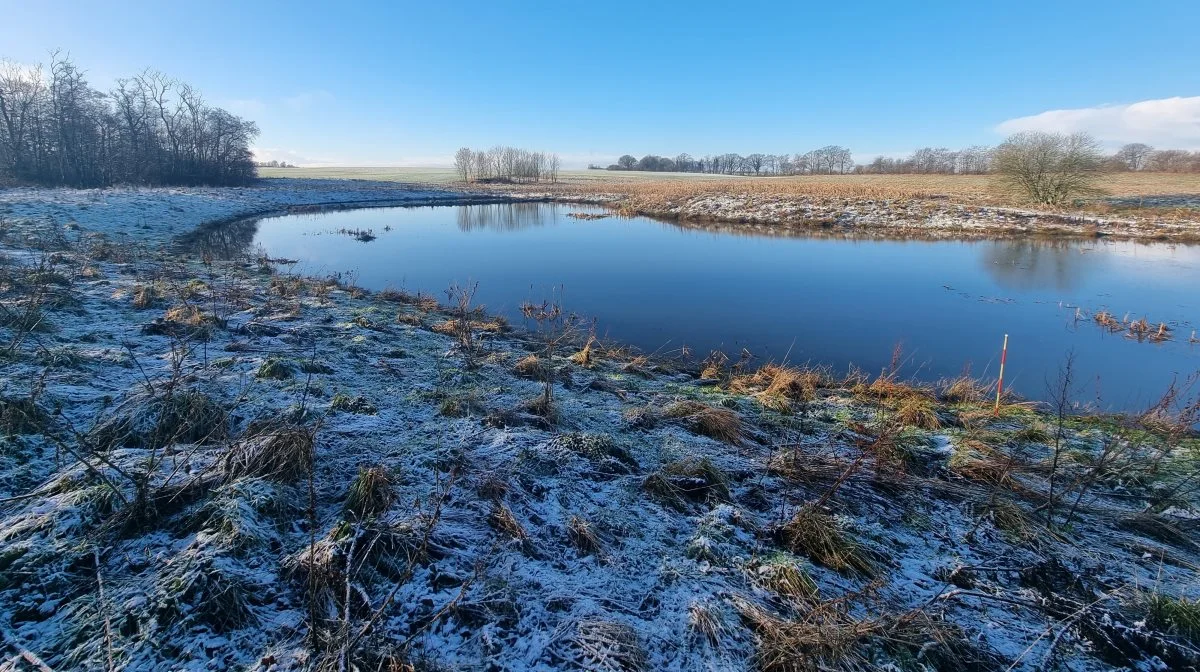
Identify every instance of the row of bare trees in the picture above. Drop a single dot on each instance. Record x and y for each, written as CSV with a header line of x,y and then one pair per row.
x,y
828,160
835,159
1138,156
506,164
149,129
973,160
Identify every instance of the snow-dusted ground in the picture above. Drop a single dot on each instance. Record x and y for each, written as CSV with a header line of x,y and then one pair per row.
x,y
918,216
510,543
767,213
154,214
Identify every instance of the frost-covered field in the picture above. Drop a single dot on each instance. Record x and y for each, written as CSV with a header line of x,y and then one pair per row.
x,y
211,465
154,215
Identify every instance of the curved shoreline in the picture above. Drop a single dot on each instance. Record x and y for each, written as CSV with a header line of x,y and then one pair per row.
x,y
319,424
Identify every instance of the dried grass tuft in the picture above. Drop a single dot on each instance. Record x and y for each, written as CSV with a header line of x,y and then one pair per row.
x,y
775,386
283,456
783,577
371,493
686,481
918,411
704,621
721,424
502,520
825,638
963,390
582,536
145,296
531,367
586,356
606,646
818,536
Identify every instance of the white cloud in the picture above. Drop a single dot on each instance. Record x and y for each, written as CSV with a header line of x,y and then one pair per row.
x,y
1165,122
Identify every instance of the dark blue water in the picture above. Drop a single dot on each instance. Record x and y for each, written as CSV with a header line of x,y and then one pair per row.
x,y
660,286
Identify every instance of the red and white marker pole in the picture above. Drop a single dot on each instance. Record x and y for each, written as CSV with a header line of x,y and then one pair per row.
x,y
1000,382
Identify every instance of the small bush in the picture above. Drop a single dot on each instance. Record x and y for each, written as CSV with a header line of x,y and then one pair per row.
x,y
1049,168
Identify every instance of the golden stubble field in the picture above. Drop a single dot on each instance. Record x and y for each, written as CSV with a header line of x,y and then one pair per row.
x,y
676,185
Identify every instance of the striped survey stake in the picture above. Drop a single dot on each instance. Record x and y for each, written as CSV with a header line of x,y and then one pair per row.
x,y
1000,382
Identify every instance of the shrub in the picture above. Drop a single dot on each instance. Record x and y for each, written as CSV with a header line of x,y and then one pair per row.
x,y
1049,168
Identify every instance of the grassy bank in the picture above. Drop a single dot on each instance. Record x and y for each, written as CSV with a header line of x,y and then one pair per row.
x,y
215,465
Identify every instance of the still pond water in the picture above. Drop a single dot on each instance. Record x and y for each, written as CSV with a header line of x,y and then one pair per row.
x,y
660,286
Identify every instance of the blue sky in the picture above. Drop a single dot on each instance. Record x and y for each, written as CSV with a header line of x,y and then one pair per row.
x,y
399,83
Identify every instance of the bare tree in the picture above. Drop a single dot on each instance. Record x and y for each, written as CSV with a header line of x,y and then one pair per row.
x,y
464,163
1134,156
1060,393
56,129
1049,168
1174,161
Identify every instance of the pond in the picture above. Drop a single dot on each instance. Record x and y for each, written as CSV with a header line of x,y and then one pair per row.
x,y
661,286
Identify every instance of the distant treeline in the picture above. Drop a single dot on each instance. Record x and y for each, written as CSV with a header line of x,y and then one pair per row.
x,y
834,159
505,164
273,164
828,160
149,129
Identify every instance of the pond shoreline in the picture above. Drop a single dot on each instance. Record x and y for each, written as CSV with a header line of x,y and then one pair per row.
x,y
283,426
934,218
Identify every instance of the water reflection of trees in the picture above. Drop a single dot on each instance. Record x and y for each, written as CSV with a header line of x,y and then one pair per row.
x,y
1040,263
229,240
505,216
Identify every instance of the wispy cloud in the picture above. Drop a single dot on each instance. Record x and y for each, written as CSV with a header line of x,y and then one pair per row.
x,y
1164,122
247,107
307,100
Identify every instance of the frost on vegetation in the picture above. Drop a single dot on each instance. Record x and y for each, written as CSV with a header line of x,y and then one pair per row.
x,y
205,498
